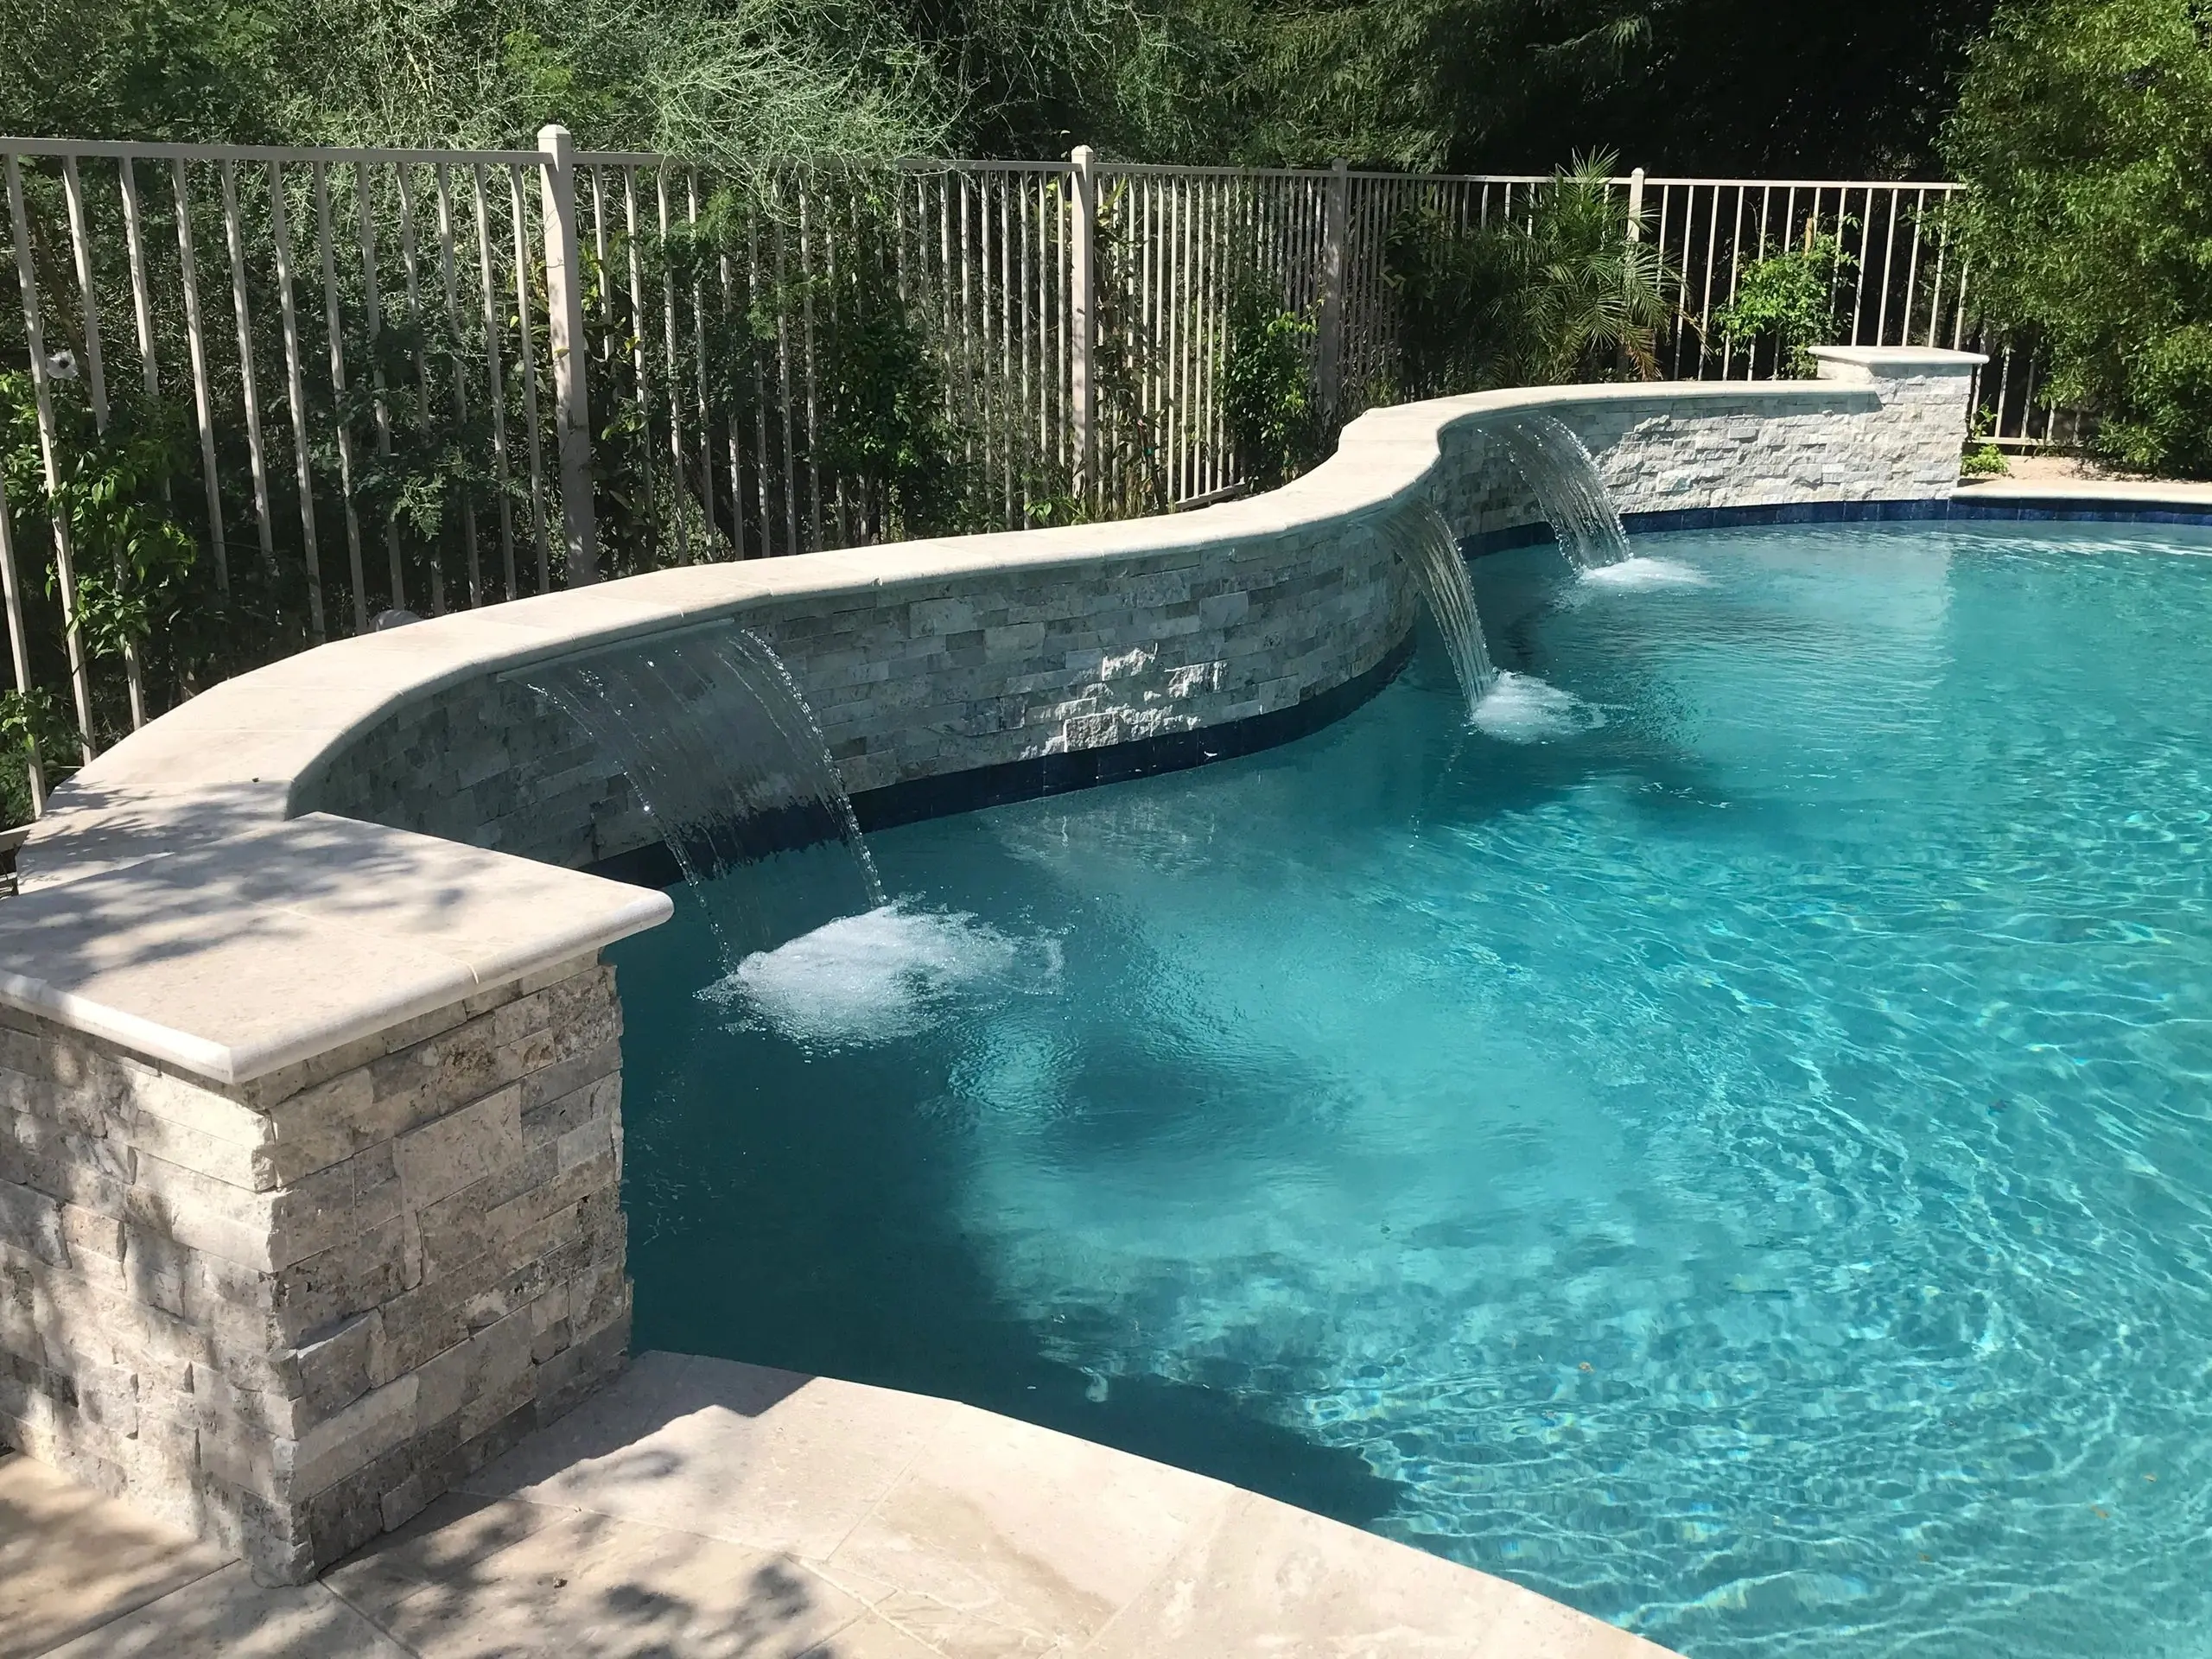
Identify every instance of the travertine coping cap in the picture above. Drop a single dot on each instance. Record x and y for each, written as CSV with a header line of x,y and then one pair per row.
x,y
233,958
1871,360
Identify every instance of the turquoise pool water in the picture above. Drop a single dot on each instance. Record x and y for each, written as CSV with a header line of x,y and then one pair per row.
x,y
1741,1164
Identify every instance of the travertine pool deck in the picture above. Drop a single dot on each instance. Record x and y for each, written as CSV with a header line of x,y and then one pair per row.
x,y
700,1507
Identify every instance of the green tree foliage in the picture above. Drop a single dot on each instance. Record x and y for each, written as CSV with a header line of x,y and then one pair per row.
x,y
34,726
1267,386
1685,86
131,558
2085,130
1788,303
1679,86
1562,295
730,82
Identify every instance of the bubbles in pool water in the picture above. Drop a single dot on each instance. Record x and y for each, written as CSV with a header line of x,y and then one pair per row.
x,y
886,973
1521,708
1646,573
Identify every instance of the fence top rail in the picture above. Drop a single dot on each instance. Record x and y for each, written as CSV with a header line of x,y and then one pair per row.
x,y
630,158
151,149
1943,186
1175,171
1623,178
138,151
928,164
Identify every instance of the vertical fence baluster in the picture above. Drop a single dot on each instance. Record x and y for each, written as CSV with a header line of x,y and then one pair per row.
x,y
81,249
1178,297
761,474
295,390
833,288
410,263
677,504
80,246
1735,269
1865,246
1942,247
520,236
1912,268
334,325
1008,396
699,367
1031,309
49,441
806,239
784,386
638,371
202,400
1889,264
1704,293
495,381
372,311
736,471
142,293
449,286
944,281
142,308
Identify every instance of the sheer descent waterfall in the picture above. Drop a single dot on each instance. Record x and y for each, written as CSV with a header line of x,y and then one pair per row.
x,y
1573,496
1432,553
714,734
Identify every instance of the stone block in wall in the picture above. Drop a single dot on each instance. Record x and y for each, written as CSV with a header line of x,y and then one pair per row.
x,y
286,1314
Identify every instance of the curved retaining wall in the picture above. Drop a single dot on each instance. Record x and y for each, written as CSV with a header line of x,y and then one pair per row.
x,y
953,673
310,1159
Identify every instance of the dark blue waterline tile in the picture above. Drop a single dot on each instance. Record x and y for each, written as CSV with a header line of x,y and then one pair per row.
x,y
1965,509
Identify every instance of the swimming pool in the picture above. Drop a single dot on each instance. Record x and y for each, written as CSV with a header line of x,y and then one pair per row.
x,y
1725,1144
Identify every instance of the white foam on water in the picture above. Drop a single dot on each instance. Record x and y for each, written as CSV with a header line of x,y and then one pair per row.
x,y
1640,572
886,973
1521,708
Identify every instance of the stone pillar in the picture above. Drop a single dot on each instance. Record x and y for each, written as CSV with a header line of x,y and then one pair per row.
x,y
286,1314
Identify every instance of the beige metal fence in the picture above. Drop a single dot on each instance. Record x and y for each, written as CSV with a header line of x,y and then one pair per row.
x,y
370,380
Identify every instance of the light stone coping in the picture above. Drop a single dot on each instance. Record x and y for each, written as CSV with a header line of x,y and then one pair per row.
x,y
2179,495
902,1526
231,959
217,932
1896,359
701,1507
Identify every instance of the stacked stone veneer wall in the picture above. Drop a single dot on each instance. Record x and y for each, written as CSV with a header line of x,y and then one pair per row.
x,y
924,679
914,681
1892,437
287,1315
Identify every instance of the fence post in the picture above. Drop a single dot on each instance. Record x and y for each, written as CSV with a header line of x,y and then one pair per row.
x,y
564,318
1329,331
1636,206
1083,393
